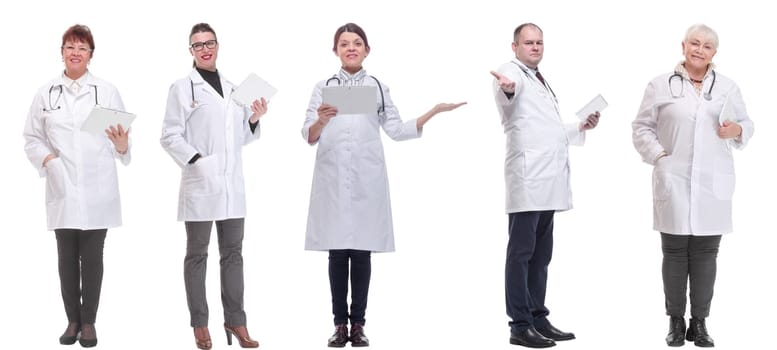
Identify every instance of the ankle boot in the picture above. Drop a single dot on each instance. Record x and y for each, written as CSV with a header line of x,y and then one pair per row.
x,y
241,333
340,338
676,336
697,333
357,337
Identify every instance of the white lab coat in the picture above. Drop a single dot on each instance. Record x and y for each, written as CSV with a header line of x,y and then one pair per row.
x,y
693,186
82,188
350,206
537,158
216,127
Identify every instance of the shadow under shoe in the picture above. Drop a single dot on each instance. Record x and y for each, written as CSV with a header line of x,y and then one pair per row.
x,y
202,338
676,336
357,337
697,333
88,336
340,338
241,333
70,335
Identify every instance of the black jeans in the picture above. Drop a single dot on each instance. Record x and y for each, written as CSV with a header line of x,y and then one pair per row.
x,y
360,284
529,250
689,259
80,272
230,238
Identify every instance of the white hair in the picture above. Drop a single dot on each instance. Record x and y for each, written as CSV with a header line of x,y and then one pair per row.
x,y
704,30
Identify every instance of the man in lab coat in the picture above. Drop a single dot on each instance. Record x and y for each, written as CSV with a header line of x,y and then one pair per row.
x,y
537,184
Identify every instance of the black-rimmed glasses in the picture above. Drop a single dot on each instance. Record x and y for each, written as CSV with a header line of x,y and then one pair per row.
x,y
199,45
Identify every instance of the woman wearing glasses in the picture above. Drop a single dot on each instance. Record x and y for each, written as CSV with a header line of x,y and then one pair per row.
x,y
204,131
685,130
350,212
82,192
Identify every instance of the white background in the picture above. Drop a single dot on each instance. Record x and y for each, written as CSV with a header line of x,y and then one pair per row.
x,y
443,288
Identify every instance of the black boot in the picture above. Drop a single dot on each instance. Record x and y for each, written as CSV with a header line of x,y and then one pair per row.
x,y
697,333
676,336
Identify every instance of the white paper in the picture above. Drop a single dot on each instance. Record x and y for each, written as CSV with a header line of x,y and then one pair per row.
x,y
351,99
253,88
727,113
102,118
596,105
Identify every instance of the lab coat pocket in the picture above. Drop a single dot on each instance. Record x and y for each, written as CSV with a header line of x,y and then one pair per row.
x,y
202,177
723,185
662,186
542,165
55,180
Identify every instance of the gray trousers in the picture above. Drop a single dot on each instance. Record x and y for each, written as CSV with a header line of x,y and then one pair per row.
x,y
689,259
80,255
230,238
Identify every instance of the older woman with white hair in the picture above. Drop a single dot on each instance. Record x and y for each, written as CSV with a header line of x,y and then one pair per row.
x,y
688,124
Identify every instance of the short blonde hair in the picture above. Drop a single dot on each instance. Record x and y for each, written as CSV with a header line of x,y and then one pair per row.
x,y
702,29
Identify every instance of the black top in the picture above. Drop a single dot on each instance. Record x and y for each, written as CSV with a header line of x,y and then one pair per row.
x,y
212,78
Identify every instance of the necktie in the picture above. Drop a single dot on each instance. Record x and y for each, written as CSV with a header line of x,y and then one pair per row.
x,y
539,76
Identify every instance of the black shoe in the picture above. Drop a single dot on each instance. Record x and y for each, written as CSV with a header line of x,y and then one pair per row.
x,y
71,334
87,330
676,336
697,333
340,338
357,337
554,333
530,338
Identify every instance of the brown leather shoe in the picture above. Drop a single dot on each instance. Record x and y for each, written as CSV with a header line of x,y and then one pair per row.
x,y
357,337
202,338
340,338
241,333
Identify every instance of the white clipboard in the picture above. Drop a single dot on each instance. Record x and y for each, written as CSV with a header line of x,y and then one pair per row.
x,y
351,99
597,104
727,112
101,118
251,89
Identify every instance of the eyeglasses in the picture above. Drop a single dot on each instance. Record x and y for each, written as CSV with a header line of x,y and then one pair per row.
x,y
81,49
199,45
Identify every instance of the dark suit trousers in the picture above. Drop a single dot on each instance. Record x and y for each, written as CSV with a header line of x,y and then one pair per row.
x,y
689,259
230,238
360,269
80,272
529,250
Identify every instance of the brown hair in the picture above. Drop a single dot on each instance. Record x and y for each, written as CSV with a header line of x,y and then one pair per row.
x,y
79,33
520,28
350,28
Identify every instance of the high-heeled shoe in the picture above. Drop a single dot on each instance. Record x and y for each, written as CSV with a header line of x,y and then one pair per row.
x,y
202,338
241,333
88,337
71,334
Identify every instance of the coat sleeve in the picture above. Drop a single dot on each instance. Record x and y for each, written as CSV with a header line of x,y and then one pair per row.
x,y
248,134
575,136
644,134
36,143
174,128
392,123
311,114
742,119
116,103
506,104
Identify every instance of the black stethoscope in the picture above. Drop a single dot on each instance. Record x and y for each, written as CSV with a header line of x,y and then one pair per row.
x,y
194,101
380,88
707,95
59,96
526,71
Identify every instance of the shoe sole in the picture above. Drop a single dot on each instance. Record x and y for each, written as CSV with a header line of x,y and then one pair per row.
x,y
518,342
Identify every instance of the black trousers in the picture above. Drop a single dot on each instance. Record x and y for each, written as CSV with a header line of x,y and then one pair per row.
x,y
80,256
689,259
230,238
360,269
529,250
